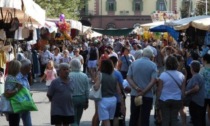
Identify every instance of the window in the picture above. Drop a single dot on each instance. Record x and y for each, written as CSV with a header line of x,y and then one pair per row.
x,y
161,5
111,5
137,5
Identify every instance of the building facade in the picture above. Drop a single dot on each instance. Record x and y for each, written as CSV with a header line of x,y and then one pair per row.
x,y
125,13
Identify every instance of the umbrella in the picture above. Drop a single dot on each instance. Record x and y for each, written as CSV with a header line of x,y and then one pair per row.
x,y
165,28
24,9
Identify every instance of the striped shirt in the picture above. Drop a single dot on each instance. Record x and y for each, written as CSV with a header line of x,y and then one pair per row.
x,y
81,83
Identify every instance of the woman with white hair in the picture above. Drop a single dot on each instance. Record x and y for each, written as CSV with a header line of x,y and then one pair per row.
x,y
60,95
81,90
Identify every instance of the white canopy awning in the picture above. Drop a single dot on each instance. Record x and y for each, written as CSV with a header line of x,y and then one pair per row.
x,y
184,23
202,24
149,25
24,9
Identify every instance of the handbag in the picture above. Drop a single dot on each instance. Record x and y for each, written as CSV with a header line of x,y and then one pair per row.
x,y
96,95
8,24
2,19
5,105
22,101
14,23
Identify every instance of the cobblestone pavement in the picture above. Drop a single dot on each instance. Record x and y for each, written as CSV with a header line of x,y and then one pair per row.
x,y
42,116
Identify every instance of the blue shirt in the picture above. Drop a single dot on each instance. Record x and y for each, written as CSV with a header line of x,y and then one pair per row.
x,y
23,79
119,78
141,72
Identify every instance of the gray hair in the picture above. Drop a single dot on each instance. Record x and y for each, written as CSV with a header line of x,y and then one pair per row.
x,y
25,62
63,65
138,54
147,52
75,65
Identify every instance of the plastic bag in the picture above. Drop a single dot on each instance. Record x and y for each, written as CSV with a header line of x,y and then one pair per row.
x,y
23,101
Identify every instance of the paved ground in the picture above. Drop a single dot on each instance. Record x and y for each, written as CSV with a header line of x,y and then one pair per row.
x,y
42,117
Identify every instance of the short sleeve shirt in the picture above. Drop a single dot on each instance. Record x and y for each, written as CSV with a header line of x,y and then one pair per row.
x,y
141,71
61,94
198,97
126,61
205,72
10,82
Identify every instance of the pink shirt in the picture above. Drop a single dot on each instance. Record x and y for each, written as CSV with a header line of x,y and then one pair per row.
x,y
50,75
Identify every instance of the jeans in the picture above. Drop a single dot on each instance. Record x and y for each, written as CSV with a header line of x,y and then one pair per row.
x,y
140,115
169,110
79,103
197,114
26,118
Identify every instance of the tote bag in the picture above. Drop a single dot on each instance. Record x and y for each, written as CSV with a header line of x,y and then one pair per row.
x,y
96,95
23,101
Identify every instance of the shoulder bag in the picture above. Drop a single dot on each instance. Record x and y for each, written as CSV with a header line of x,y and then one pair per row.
x,y
186,99
96,95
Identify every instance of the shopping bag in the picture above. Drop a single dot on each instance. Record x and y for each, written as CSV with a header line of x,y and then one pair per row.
x,y
95,95
5,105
23,101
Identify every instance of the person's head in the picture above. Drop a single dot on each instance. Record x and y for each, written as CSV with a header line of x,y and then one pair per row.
x,y
110,48
14,67
171,63
147,52
76,51
107,66
138,46
65,53
106,52
25,66
180,59
126,50
56,50
50,64
75,65
114,60
206,58
195,66
64,70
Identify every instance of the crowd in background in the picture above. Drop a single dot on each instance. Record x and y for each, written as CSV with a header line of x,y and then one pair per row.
x,y
174,75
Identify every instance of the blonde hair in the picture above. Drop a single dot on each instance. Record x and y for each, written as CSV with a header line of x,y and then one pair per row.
x,y
14,67
51,64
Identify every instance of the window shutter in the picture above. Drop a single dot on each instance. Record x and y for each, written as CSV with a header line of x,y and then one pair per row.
x,y
115,6
133,5
157,5
107,5
165,5
141,5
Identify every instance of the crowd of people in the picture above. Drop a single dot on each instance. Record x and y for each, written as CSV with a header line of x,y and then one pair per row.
x,y
172,74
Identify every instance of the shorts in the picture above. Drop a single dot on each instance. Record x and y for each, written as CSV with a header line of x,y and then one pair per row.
x,y
58,119
92,63
106,108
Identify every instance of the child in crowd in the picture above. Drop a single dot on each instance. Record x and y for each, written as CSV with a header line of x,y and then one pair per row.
x,y
49,74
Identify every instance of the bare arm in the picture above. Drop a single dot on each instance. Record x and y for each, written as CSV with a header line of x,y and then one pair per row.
x,y
193,90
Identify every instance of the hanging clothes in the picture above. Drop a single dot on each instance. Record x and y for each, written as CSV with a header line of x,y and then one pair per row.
x,y
3,59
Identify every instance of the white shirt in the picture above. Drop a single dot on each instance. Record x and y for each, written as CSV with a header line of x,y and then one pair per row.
x,y
113,54
80,58
170,88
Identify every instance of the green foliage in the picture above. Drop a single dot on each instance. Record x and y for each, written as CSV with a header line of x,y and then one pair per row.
x,y
54,8
201,7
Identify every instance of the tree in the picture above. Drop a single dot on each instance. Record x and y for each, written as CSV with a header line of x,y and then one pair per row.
x,y
185,9
201,7
54,8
